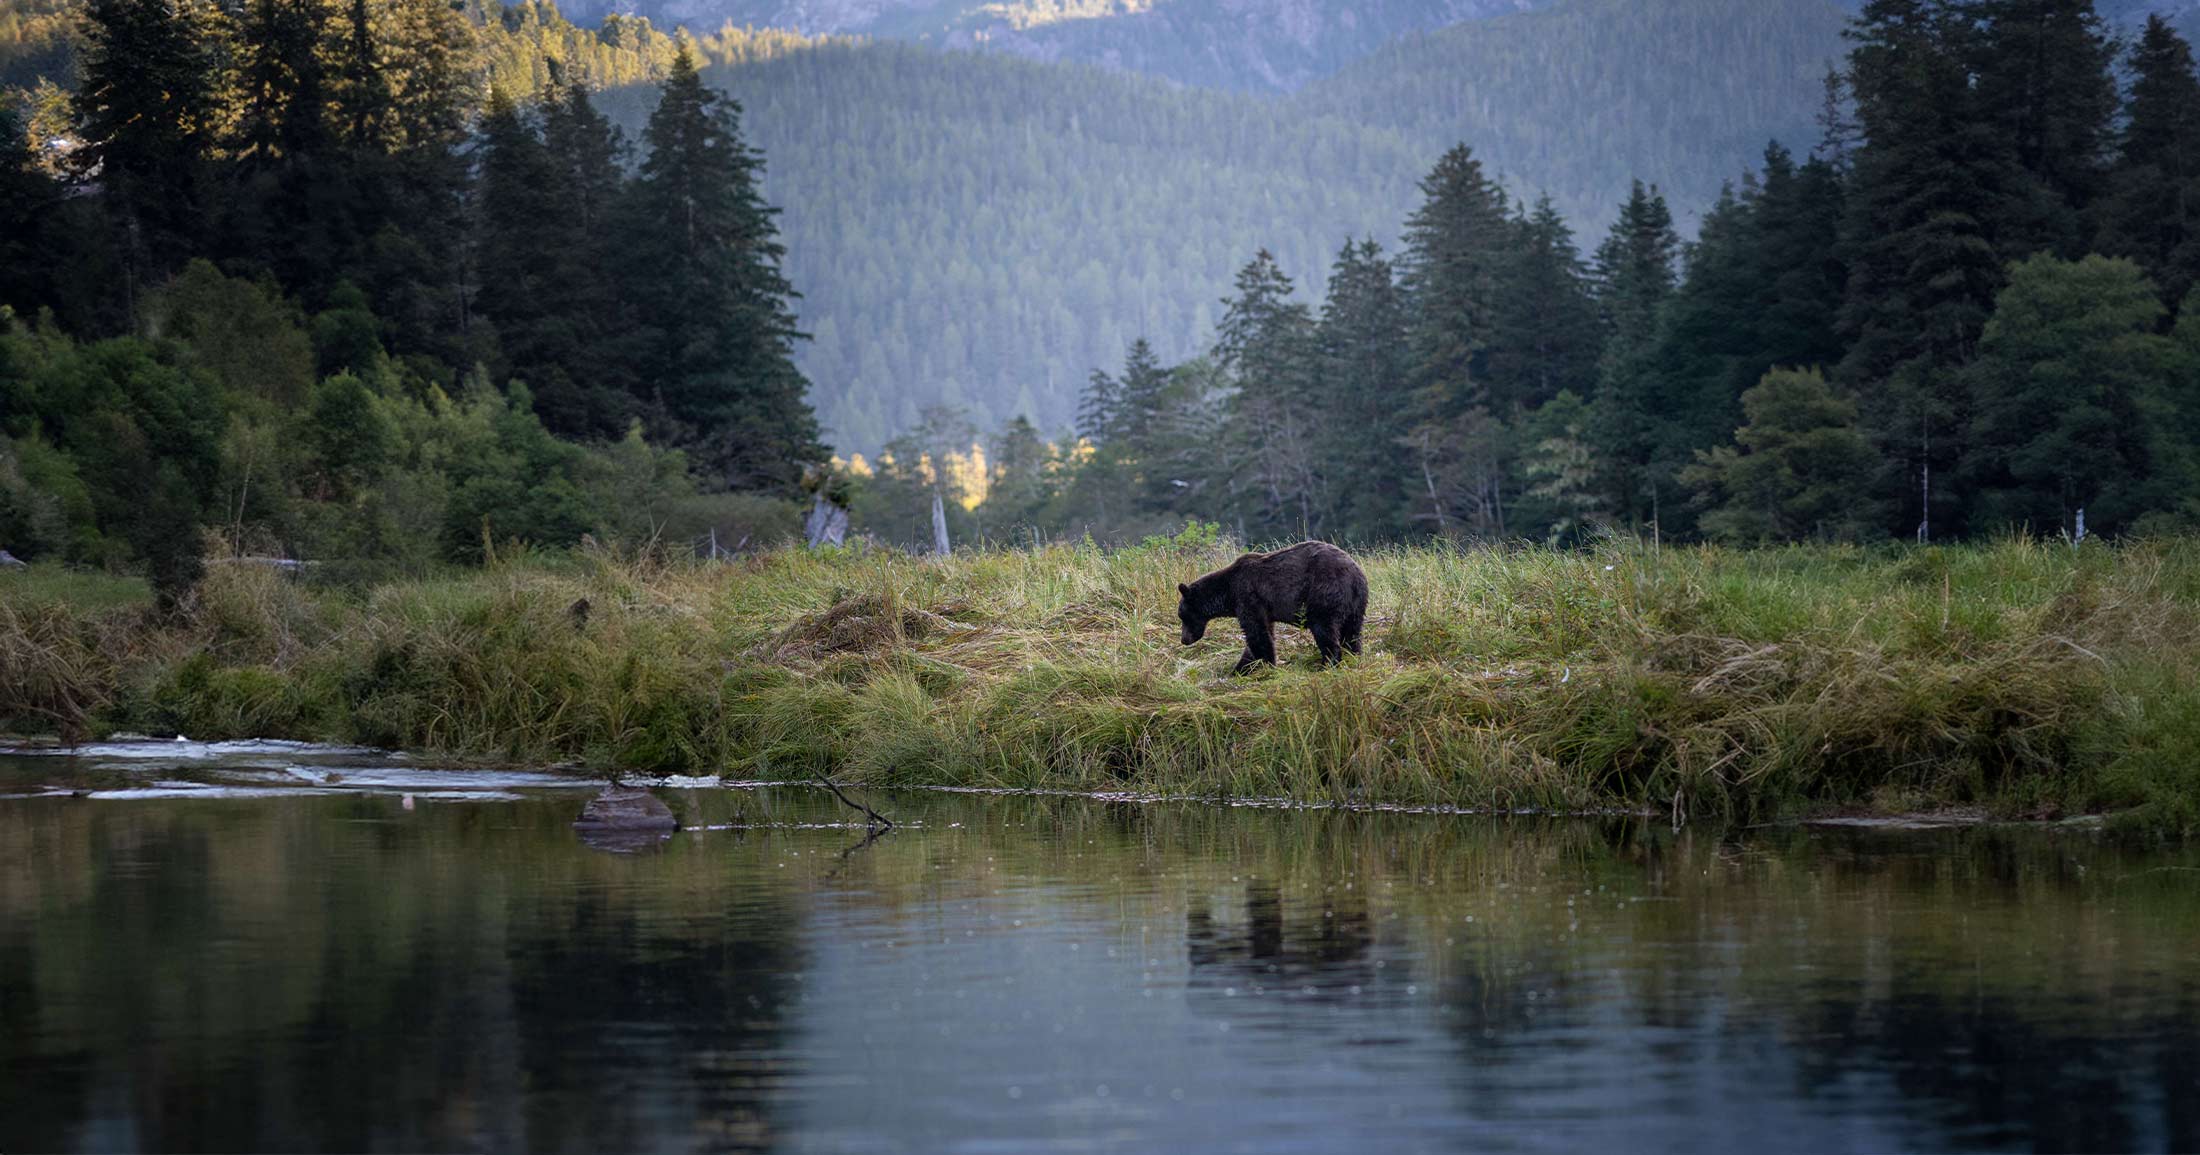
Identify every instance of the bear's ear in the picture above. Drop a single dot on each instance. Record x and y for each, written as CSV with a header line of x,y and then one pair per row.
x,y
1183,590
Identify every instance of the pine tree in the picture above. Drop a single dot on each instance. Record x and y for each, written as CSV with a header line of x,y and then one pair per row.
x,y
28,198
1098,408
2042,81
1544,336
1455,250
1799,251
705,281
1634,276
2152,210
1455,247
282,208
1145,384
1265,345
147,116
1929,182
1365,391
581,357
514,194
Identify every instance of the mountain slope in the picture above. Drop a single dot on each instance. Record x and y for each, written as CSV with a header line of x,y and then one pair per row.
x,y
984,231
1580,98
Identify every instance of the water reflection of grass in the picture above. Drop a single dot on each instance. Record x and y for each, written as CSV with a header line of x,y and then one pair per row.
x,y
2024,676
456,954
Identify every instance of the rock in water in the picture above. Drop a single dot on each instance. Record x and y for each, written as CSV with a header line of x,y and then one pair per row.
x,y
626,808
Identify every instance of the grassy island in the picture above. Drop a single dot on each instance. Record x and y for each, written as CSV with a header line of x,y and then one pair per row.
x,y
2022,677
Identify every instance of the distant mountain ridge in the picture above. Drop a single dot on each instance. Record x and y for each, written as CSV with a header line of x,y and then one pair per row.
x,y
1260,45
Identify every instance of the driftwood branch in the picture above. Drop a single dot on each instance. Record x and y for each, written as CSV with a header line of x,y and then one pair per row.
x,y
873,816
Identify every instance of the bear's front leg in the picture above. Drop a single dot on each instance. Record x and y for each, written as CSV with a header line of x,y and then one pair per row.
x,y
1260,644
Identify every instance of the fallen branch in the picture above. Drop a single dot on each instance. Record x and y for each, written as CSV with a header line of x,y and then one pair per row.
x,y
873,815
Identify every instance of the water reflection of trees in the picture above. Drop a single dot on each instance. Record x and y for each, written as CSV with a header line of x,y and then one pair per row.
x,y
1975,989
460,983
302,976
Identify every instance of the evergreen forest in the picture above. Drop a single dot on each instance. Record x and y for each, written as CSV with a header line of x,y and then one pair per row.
x,y
387,284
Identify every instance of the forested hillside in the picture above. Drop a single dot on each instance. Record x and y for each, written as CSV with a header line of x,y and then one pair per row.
x,y
979,230
1582,97
982,231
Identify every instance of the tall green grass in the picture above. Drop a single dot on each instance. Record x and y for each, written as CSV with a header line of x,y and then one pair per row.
x,y
2022,676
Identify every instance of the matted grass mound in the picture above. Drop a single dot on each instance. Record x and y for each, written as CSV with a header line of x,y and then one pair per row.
x,y
2023,676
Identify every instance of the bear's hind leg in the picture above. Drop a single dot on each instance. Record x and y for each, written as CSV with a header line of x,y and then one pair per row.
x,y
1326,637
1352,633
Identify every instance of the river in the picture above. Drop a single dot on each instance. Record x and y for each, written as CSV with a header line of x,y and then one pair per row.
x,y
256,946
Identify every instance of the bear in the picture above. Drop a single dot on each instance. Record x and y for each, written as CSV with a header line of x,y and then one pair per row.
x,y
1313,584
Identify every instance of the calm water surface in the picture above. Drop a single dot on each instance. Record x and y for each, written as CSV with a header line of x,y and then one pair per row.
x,y
267,948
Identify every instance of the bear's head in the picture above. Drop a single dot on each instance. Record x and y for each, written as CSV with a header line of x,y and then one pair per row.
x,y
1195,623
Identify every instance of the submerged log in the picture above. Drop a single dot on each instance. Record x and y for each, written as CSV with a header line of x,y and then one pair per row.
x,y
626,808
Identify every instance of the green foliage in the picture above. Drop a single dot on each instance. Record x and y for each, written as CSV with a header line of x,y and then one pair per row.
x,y
1799,469
2071,400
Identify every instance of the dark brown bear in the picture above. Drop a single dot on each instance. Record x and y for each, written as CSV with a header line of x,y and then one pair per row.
x,y
1312,584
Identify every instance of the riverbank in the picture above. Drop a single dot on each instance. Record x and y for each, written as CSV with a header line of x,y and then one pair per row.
x,y
2026,678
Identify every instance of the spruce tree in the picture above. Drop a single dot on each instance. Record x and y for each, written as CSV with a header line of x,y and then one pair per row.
x,y
282,207
1544,336
1928,183
1634,277
1098,409
705,282
1455,249
1798,211
147,115
2041,80
585,362
1145,384
2152,211
1365,391
1265,345
28,198
514,196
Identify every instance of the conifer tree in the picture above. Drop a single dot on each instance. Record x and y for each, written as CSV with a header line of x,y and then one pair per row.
x,y
2042,82
280,207
1366,393
2152,210
1543,327
1145,383
1798,467
147,116
2068,399
1098,408
1928,184
706,284
1634,276
28,198
1455,249
584,360
514,194
1265,343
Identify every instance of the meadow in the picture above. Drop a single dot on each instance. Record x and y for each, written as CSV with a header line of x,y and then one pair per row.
x,y
2019,678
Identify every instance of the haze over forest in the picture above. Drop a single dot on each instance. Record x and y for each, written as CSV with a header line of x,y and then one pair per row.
x,y
397,279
